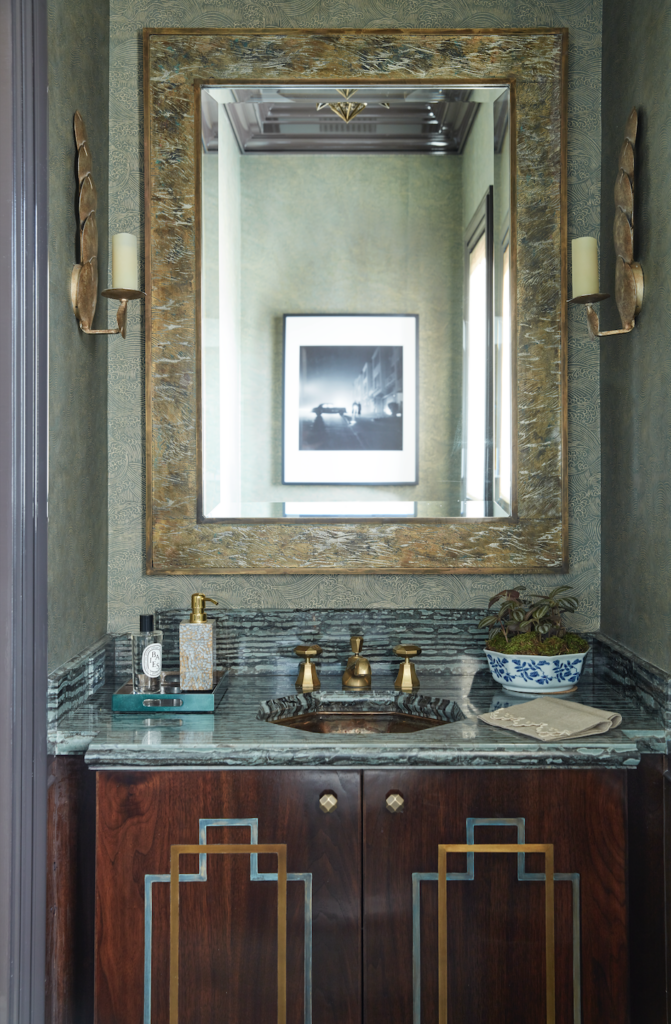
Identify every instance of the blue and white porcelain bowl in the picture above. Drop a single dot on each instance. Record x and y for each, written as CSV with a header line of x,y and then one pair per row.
x,y
536,673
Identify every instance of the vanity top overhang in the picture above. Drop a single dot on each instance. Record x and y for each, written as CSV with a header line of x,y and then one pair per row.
x,y
235,737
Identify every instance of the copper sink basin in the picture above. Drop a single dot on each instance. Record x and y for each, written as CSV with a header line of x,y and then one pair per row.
x,y
344,714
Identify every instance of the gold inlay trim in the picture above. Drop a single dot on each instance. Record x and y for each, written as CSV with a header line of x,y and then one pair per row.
x,y
545,848
280,850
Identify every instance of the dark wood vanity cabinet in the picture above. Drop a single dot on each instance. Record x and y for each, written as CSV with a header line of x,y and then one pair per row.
x,y
496,935
228,908
361,895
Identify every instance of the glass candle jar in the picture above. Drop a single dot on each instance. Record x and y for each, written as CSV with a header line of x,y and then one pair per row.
x,y
147,656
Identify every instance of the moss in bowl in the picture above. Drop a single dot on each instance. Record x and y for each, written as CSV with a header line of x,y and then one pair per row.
x,y
535,643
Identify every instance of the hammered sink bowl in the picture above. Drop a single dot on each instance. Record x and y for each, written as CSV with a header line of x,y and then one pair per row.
x,y
346,714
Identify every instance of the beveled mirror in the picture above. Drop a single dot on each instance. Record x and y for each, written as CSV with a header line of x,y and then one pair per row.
x,y
355,265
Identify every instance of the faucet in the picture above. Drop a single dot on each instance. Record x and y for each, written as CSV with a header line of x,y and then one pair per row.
x,y
407,676
308,680
357,674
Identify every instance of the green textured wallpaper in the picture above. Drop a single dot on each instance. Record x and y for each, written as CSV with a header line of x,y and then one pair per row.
x,y
78,59
129,590
636,368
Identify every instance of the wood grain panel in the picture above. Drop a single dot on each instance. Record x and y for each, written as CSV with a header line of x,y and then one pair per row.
x,y
70,891
228,924
645,826
496,965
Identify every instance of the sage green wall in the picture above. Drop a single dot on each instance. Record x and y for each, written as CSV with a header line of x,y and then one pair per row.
x,y
636,368
78,42
478,161
130,591
339,233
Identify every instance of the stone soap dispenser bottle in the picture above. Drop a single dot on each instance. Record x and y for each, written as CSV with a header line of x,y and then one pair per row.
x,y
197,647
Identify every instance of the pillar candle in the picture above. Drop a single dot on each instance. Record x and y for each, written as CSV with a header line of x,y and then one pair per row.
x,y
585,267
124,262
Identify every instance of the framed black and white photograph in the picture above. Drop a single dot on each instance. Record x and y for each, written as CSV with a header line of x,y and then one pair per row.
x,y
350,399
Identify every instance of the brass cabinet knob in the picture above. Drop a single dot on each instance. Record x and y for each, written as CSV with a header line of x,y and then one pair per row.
x,y
328,802
394,803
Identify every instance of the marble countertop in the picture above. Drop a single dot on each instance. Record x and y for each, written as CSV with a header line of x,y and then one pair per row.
x,y
234,737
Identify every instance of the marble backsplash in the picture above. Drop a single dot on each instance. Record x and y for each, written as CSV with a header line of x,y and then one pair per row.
x,y
261,642
78,679
618,665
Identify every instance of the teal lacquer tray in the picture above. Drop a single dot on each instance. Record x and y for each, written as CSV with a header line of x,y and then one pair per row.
x,y
184,702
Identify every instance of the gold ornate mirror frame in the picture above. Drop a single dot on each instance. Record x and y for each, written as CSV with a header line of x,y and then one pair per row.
x,y
534,63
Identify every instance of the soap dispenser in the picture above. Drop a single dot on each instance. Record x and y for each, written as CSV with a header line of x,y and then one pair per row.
x,y
197,647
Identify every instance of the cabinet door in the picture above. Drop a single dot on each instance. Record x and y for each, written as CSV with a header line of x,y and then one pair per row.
x,y
495,925
229,945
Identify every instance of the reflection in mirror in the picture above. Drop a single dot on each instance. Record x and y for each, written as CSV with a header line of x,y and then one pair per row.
x,y
356,340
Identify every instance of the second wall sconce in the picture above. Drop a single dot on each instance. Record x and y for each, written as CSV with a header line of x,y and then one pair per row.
x,y
628,273
84,281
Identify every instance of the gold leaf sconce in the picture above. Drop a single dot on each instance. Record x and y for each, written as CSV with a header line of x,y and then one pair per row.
x,y
84,280
628,273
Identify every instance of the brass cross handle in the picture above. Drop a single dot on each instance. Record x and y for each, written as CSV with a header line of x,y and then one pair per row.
x,y
311,651
308,680
407,677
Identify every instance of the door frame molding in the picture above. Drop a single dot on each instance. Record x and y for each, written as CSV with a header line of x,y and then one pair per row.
x,y
23,508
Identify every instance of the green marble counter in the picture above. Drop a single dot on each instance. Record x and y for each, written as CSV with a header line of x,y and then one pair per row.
x,y
233,737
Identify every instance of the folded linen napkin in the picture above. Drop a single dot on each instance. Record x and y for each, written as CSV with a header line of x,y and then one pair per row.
x,y
547,718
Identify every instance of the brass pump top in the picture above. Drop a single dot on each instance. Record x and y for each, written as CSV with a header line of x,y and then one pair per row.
x,y
198,607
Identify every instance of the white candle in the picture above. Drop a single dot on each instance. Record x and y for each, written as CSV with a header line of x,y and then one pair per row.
x,y
585,267
124,262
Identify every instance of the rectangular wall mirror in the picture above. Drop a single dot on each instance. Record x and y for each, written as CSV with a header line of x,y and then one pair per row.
x,y
355,301
356,276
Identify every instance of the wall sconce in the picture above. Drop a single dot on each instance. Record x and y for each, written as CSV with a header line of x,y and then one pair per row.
x,y
628,273
84,280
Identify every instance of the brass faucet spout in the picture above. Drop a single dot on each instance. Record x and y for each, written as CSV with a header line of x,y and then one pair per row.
x,y
357,674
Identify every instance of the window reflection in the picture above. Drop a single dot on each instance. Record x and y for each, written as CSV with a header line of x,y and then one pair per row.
x,y
476,371
504,390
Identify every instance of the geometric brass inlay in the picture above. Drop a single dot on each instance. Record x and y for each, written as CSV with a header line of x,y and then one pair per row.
x,y
305,877
545,848
280,850
469,876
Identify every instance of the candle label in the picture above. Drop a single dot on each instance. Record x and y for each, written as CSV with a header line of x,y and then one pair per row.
x,y
152,659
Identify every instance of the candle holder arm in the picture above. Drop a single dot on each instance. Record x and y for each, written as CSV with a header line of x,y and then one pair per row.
x,y
83,302
121,317
593,321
